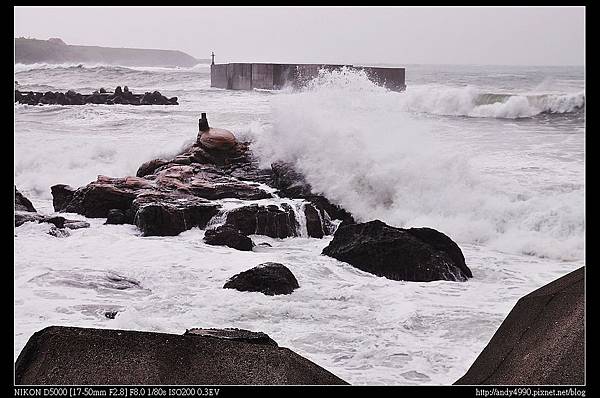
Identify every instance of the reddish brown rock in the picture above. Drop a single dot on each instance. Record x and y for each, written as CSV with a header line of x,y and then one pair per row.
x,y
216,138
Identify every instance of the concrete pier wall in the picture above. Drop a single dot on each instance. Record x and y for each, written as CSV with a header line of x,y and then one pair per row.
x,y
247,76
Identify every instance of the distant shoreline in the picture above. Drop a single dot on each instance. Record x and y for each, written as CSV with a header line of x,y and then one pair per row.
x,y
55,51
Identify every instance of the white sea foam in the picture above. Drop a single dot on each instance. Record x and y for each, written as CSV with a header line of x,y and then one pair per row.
x,y
355,145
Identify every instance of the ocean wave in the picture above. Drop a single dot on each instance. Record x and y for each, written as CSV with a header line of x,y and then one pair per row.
x,y
472,102
349,139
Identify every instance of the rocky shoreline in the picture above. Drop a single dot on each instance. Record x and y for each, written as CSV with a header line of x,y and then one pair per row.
x,y
119,96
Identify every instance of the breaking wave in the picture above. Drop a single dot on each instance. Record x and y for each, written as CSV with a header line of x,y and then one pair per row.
x,y
354,145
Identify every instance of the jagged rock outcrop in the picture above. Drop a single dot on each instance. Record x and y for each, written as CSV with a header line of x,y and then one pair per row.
x,y
415,254
541,341
168,196
69,355
268,278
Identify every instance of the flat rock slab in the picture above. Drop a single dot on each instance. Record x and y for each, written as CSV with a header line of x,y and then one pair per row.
x,y
541,341
69,355
246,336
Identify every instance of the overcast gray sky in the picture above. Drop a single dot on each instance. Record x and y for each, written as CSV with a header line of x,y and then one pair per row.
x,y
406,35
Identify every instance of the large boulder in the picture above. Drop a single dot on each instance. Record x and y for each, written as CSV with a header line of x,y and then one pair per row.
x,y
219,139
541,341
78,356
161,214
22,203
225,235
268,278
415,254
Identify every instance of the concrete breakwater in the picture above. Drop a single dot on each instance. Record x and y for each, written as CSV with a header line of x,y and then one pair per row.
x,y
248,76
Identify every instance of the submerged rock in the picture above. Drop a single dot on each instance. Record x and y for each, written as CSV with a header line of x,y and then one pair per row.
x,y
106,356
541,341
268,278
227,236
415,254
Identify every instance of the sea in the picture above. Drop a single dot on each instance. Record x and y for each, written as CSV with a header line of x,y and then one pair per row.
x,y
492,156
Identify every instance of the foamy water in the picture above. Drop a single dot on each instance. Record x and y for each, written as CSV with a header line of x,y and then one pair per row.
x,y
492,157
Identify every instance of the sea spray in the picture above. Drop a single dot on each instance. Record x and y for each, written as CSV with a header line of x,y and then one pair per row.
x,y
356,143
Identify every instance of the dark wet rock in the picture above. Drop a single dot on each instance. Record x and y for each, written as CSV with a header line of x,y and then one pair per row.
x,y
61,196
227,236
268,278
289,182
100,356
541,341
314,225
160,214
182,187
233,334
233,189
150,166
415,254
22,203
111,314
74,224
97,198
263,220
97,97
265,244
329,211
58,221
116,216
59,232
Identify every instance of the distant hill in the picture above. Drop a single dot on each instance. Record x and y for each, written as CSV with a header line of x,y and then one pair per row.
x,y
55,51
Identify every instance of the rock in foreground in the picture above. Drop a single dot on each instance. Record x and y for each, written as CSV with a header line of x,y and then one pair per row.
x,y
68,355
415,254
541,341
268,278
